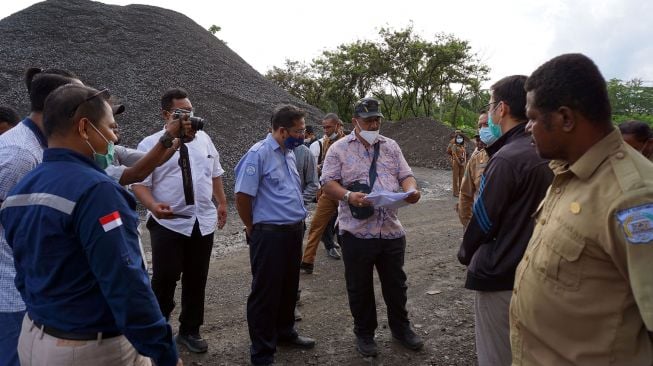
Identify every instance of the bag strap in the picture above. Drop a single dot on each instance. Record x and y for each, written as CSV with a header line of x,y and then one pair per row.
x,y
377,148
320,157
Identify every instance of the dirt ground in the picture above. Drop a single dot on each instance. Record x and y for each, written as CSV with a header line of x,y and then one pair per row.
x,y
439,307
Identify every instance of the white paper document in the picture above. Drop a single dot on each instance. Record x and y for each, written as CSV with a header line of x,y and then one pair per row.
x,y
389,199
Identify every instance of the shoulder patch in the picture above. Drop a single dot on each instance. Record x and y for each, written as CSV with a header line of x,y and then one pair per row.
x,y
637,223
250,169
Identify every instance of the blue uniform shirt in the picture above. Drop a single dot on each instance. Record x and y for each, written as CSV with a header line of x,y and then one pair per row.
x,y
78,264
271,177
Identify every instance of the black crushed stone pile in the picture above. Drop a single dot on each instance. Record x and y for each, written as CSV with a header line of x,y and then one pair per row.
x,y
423,141
138,52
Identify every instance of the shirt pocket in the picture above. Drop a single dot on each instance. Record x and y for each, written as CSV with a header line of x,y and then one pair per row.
x,y
563,264
273,178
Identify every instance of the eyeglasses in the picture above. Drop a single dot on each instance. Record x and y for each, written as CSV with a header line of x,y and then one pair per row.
x,y
297,132
94,95
486,108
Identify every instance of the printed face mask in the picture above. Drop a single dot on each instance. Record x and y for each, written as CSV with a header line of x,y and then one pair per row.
x,y
369,136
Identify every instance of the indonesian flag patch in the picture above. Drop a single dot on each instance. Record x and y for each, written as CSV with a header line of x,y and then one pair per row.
x,y
110,221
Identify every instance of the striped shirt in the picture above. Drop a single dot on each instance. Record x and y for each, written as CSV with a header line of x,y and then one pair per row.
x,y
21,150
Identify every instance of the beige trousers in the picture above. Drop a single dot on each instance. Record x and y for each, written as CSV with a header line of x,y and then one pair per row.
x,y
36,348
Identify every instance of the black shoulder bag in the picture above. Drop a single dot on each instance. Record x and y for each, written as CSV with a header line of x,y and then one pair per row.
x,y
362,213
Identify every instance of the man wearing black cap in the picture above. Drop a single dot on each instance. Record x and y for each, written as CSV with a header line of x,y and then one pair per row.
x,y
371,236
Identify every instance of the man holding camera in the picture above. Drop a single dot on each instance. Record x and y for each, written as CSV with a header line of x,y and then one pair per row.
x,y
371,237
182,216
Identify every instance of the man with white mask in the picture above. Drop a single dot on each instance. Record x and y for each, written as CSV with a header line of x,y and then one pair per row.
x,y
355,165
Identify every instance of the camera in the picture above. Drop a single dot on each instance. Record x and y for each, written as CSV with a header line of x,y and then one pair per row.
x,y
196,123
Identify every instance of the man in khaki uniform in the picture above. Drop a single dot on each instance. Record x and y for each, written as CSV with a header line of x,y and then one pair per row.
x,y
583,292
472,177
458,154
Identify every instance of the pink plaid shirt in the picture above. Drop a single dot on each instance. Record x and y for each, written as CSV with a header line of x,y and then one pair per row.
x,y
348,161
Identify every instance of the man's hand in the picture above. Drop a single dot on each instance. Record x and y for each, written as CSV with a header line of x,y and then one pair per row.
x,y
180,362
358,199
414,197
161,210
173,129
222,216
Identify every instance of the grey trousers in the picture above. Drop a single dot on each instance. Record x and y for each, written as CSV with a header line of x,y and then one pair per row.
x,y
36,348
491,309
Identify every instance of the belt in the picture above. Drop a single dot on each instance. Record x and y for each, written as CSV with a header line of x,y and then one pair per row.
x,y
73,336
298,226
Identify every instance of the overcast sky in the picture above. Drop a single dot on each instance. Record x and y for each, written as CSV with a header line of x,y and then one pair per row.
x,y
510,36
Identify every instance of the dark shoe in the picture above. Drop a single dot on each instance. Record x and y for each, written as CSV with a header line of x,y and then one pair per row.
x,y
299,342
333,253
194,342
366,346
409,340
298,315
307,267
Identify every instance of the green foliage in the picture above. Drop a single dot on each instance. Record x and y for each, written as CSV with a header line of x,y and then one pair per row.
x,y
214,29
630,100
413,77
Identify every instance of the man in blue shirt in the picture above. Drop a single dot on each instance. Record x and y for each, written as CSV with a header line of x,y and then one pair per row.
x,y
269,202
73,234
21,150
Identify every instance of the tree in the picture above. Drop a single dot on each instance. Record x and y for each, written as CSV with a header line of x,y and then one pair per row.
x,y
410,75
214,29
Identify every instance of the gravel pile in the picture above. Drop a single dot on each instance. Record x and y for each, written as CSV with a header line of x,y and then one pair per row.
x,y
138,52
422,140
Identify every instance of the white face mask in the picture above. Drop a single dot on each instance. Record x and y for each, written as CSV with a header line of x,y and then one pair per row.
x,y
369,136
333,136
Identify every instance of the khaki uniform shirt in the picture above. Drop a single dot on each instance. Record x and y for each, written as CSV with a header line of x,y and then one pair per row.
x,y
470,184
583,291
457,152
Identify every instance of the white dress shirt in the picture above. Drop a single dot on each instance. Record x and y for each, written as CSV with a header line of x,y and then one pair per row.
x,y
167,187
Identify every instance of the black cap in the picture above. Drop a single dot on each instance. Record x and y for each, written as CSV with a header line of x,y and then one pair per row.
x,y
367,107
117,109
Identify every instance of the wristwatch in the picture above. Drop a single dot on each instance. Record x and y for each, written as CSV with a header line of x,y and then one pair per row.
x,y
345,198
166,140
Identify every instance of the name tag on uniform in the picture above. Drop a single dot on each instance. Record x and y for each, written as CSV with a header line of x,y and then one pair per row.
x,y
637,223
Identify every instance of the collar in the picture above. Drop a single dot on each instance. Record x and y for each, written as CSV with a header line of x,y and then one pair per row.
x,y
352,137
36,131
587,164
516,131
63,154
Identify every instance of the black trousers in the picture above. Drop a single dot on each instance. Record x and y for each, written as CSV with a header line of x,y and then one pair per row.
x,y
274,258
175,255
360,256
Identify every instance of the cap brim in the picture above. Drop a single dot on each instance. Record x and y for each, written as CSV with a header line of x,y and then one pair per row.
x,y
370,114
117,109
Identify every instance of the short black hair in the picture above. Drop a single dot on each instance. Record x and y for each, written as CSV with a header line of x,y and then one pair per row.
x,y
170,95
572,80
332,117
9,115
40,83
510,90
640,130
69,103
285,116
310,129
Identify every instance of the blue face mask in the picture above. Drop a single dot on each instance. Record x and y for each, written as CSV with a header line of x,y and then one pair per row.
x,y
486,136
292,142
494,128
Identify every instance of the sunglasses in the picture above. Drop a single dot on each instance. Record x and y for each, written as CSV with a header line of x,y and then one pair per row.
x,y
103,92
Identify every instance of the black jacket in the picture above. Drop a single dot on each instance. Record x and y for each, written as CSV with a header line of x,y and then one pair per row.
x,y
512,186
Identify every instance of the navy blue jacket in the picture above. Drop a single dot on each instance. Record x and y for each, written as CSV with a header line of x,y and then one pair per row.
x,y
512,186
78,264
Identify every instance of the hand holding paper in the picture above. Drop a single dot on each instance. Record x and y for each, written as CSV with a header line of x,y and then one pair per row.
x,y
389,199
